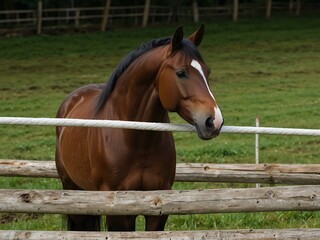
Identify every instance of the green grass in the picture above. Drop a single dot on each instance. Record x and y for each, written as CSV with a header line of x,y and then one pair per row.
x,y
265,68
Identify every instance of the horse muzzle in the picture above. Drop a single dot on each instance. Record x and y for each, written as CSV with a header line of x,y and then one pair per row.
x,y
209,126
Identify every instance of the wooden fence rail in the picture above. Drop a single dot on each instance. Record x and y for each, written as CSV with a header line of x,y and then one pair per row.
x,y
301,174
250,234
165,202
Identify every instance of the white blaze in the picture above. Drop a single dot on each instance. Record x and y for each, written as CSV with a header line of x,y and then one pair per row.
x,y
218,119
197,66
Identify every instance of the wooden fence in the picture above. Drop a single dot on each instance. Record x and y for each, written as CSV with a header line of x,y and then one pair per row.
x,y
302,174
162,202
288,198
177,202
250,234
138,15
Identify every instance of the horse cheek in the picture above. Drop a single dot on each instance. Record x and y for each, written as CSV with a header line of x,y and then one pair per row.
x,y
168,92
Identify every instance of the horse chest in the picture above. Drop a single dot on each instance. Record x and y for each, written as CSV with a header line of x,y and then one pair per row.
x,y
140,169
154,176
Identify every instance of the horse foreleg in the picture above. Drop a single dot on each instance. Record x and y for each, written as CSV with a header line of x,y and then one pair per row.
x,y
155,223
76,222
83,223
121,223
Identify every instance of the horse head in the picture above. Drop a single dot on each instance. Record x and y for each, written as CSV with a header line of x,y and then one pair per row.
x,y
183,84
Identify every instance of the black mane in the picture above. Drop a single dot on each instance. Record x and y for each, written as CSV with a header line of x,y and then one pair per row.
x,y
187,46
124,64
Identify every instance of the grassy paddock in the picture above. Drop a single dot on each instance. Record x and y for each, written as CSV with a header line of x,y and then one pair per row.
x,y
265,68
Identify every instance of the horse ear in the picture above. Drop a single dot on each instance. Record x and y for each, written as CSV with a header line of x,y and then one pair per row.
x,y
197,36
176,40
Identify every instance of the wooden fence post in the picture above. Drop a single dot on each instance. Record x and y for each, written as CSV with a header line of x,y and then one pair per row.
x,y
235,10
77,18
298,7
268,8
146,13
290,6
257,146
39,17
105,15
195,11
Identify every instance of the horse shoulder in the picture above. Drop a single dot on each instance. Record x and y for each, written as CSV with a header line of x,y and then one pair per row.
x,y
84,95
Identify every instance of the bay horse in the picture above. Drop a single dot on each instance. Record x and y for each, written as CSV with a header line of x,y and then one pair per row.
x,y
163,75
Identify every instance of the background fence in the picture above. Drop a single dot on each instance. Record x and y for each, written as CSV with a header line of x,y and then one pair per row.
x,y
41,18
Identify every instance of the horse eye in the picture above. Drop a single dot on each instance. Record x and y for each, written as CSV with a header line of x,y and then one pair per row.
x,y
181,74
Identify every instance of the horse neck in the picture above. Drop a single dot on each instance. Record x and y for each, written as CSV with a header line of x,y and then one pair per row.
x,y
135,97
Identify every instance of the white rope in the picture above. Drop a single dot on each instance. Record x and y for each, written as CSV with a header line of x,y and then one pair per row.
x,y
68,122
269,130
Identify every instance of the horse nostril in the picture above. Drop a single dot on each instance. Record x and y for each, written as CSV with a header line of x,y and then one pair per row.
x,y
209,122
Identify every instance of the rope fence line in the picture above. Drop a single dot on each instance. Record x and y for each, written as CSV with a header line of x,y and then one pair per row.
x,y
151,126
